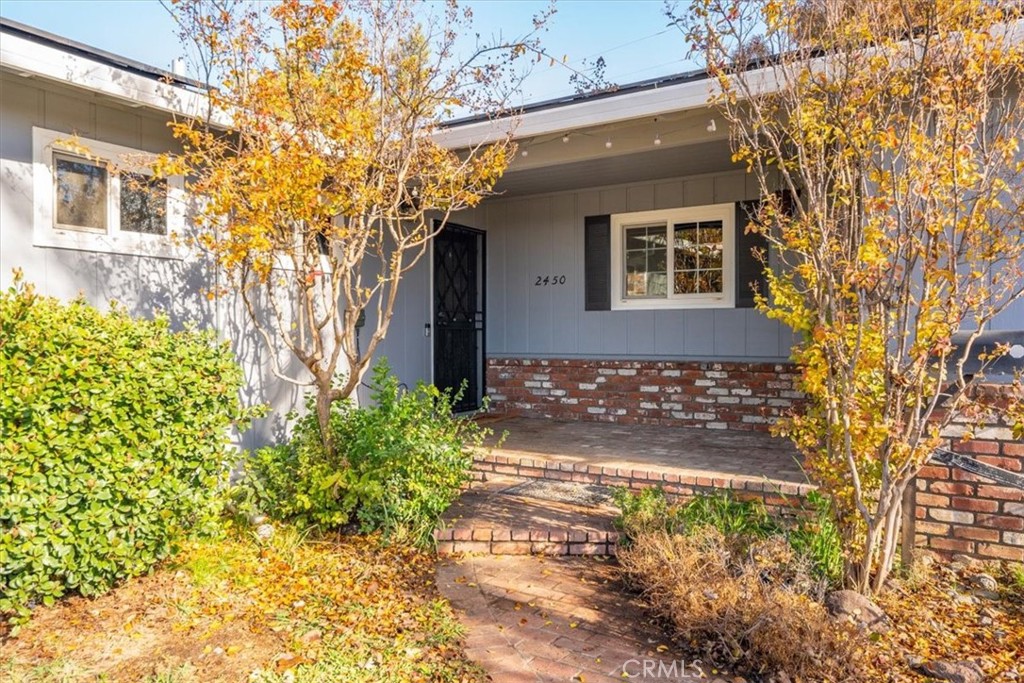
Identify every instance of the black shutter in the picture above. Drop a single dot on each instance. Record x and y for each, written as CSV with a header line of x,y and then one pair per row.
x,y
749,269
597,263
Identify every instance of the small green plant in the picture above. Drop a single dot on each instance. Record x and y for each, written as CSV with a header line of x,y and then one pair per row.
x,y
814,537
649,510
397,466
731,517
298,481
1016,574
114,444
818,539
643,512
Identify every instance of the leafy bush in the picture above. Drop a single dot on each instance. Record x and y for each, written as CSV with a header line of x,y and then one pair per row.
x,y
114,435
298,480
399,463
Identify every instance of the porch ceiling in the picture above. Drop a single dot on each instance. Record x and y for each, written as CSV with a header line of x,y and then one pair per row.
x,y
651,164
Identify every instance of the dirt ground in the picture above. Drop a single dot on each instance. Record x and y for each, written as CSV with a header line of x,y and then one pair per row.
x,y
140,631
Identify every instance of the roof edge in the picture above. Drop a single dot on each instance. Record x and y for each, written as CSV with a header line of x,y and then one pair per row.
x,y
108,58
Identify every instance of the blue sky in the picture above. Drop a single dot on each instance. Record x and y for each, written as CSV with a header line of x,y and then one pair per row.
x,y
632,35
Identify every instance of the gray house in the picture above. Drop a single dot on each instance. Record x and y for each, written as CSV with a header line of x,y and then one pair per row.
x,y
609,281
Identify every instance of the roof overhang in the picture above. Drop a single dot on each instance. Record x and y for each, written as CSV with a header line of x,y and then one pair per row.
x,y
38,56
587,113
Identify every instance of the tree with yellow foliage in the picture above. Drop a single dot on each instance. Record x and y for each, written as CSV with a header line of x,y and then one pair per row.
x,y
886,137
321,177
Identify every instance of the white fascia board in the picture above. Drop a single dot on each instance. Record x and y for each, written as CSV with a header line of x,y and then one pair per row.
x,y
585,114
29,58
598,111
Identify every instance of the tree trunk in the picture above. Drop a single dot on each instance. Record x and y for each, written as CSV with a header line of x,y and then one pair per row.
x,y
323,417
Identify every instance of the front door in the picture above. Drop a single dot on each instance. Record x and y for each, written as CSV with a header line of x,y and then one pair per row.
x,y
459,314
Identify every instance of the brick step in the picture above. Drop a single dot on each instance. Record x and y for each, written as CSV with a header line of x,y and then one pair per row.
x,y
520,516
677,482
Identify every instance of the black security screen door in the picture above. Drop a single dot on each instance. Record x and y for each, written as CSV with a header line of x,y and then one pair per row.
x,y
459,313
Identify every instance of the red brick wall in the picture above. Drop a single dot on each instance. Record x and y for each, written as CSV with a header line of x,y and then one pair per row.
x,y
957,512
747,396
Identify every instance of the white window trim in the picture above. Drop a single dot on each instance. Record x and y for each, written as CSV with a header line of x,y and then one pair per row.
x,y
726,213
46,233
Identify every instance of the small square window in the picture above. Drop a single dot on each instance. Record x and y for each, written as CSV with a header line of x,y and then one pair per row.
x,y
143,204
80,194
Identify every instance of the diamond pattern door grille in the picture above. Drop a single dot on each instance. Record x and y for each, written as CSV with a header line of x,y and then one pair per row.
x,y
458,313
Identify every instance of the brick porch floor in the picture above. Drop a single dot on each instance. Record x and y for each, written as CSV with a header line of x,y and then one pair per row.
x,y
702,458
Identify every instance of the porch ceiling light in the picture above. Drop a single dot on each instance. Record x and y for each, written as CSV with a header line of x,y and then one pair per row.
x,y
525,152
565,138
657,139
712,126
608,143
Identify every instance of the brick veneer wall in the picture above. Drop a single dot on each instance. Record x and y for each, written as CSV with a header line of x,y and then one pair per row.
x,y
727,395
957,512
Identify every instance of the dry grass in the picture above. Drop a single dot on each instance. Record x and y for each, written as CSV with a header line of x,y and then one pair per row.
x,y
752,612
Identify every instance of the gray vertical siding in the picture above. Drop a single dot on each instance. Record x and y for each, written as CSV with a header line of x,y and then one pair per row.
x,y
543,235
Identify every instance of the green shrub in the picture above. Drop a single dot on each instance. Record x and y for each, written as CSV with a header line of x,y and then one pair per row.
x,y
399,464
298,481
113,444
643,512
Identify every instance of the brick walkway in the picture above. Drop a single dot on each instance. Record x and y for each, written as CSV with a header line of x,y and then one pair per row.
x,y
533,619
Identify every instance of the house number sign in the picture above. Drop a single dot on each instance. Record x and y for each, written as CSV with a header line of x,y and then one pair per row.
x,y
549,280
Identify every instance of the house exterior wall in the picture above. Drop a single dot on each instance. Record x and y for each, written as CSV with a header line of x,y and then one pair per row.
x,y
542,235
140,284
535,236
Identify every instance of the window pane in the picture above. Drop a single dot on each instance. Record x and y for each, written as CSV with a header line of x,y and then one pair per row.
x,y
143,204
711,281
636,284
686,282
81,193
636,262
656,260
636,238
646,261
698,257
657,284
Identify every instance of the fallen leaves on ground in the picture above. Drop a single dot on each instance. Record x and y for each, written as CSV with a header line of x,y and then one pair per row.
x,y
937,614
237,609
